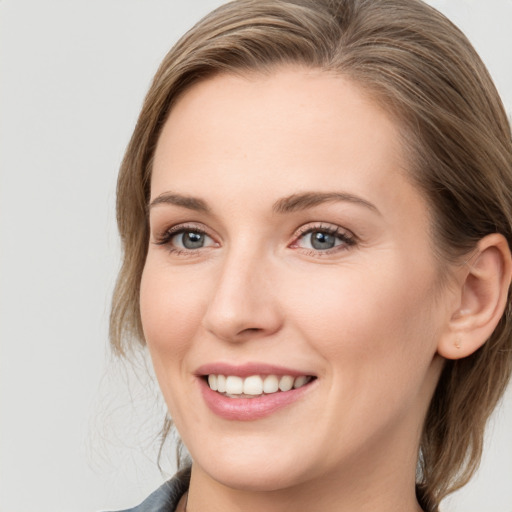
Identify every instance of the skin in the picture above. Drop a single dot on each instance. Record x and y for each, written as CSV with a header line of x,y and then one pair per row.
x,y
365,317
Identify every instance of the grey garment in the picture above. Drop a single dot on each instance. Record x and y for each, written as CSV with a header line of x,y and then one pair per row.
x,y
167,496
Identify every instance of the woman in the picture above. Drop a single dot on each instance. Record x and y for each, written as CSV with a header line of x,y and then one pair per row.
x,y
315,215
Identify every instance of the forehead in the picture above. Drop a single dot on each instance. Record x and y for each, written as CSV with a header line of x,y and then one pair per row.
x,y
289,131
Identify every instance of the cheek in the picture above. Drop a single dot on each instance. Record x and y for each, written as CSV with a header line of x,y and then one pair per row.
x,y
368,317
374,332
170,308
171,313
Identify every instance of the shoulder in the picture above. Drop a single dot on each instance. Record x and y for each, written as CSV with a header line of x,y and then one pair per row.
x,y
167,496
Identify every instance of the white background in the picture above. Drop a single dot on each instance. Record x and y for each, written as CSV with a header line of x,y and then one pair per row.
x,y
76,431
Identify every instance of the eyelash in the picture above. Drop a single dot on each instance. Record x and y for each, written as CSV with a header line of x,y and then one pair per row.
x,y
346,237
166,237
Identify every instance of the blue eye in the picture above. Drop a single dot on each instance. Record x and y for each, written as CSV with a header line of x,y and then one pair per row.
x,y
185,240
324,239
190,240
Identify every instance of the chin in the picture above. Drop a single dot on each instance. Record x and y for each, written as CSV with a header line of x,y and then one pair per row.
x,y
262,479
257,470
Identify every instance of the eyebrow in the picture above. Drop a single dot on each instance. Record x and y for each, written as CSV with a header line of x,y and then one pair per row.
x,y
307,200
189,202
293,203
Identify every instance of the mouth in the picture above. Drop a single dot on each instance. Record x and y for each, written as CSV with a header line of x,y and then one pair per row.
x,y
253,386
252,391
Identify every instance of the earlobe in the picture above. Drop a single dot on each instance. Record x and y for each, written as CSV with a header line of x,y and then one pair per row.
x,y
483,289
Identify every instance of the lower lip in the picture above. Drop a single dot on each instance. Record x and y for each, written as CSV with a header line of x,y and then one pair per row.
x,y
249,409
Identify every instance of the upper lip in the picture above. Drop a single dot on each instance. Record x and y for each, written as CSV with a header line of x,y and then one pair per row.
x,y
247,369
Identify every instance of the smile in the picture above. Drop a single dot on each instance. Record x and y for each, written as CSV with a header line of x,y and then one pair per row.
x,y
233,386
252,391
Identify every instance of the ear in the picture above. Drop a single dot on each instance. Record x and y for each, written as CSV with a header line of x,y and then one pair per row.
x,y
483,286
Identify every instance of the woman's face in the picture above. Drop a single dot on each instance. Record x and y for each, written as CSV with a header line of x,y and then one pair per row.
x,y
287,245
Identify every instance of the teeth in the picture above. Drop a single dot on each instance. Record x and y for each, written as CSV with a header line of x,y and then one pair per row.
x,y
212,382
255,385
221,383
300,381
285,383
270,384
234,385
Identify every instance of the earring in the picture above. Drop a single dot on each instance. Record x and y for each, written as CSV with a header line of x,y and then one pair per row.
x,y
457,342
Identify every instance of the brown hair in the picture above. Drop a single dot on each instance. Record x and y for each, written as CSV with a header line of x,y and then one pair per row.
x,y
418,65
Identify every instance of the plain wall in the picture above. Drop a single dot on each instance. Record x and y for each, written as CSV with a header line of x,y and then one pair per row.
x,y
77,433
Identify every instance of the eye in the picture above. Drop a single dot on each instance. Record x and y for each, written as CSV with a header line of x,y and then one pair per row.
x,y
184,239
324,239
320,240
190,240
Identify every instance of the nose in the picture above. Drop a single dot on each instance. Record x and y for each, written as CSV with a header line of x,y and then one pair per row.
x,y
243,303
